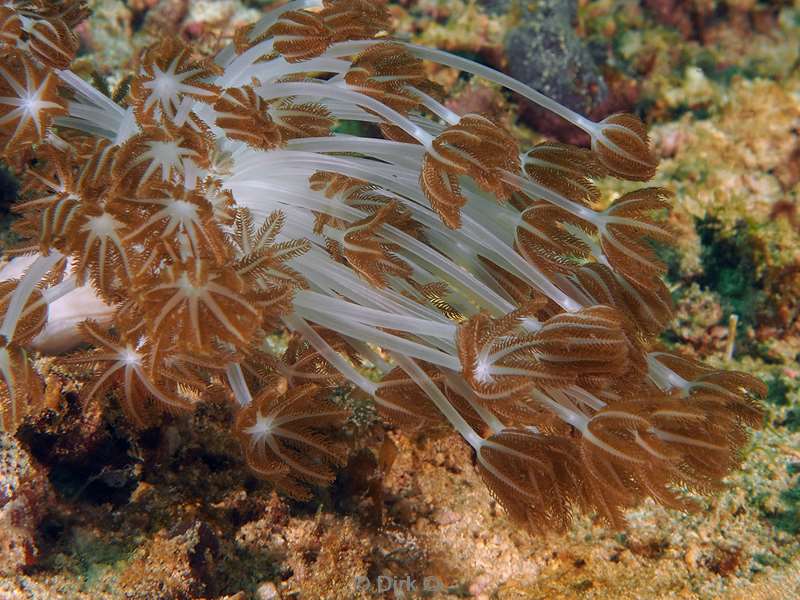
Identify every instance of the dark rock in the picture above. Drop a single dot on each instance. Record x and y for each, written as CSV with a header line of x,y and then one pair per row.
x,y
496,7
545,52
8,188
85,456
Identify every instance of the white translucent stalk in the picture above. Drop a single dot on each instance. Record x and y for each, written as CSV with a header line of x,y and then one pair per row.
x,y
337,280
350,112
264,23
439,400
336,360
487,241
468,66
278,68
380,338
52,294
434,106
442,345
494,248
236,72
366,352
538,191
310,201
448,347
499,217
425,322
455,381
374,147
370,316
459,279
586,397
320,90
341,210
238,384
406,157
25,287
409,156
664,377
466,258
94,113
573,417
481,237
92,95
450,272
437,108
85,127
65,313
505,256
94,116
676,438
340,280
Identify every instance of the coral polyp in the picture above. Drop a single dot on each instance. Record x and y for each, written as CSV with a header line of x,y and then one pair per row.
x,y
173,228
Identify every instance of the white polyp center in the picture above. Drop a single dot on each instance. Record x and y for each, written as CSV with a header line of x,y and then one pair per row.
x,y
183,210
102,226
187,288
261,429
483,370
165,153
163,84
130,357
31,103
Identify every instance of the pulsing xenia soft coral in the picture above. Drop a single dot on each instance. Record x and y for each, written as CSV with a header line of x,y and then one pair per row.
x,y
175,228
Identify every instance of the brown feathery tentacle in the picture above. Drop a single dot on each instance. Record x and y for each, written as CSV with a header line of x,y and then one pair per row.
x,y
622,145
282,438
474,147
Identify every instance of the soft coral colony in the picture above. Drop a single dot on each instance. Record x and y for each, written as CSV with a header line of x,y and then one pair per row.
x,y
171,230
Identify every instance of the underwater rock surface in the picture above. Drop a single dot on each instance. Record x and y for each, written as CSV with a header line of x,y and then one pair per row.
x,y
24,496
544,51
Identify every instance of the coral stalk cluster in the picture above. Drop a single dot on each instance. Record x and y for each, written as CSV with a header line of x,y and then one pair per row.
x,y
174,225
